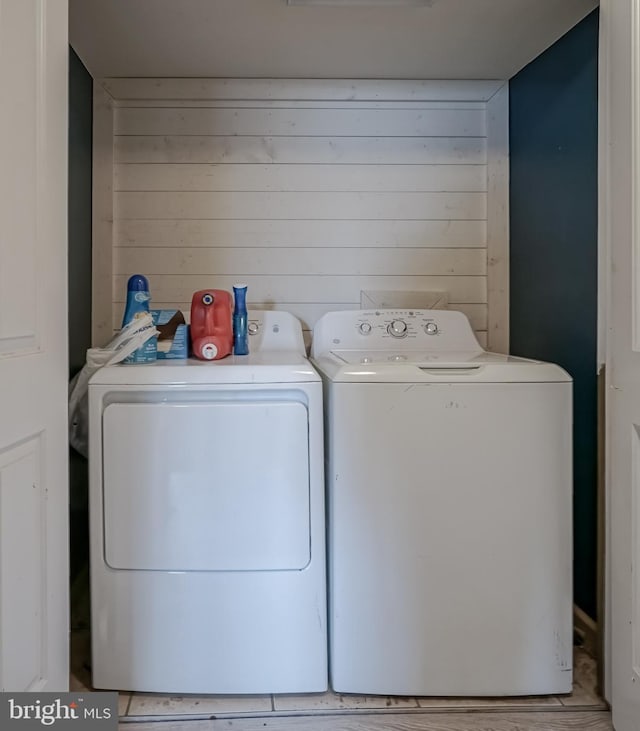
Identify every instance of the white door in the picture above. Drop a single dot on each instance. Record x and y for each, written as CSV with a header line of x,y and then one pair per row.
x,y
620,227
34,572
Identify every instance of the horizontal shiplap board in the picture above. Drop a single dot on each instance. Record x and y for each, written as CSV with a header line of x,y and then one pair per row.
x,y
308,191
280,178
225,232
308,122
307,336
299,89
308,312
305,150
308,288
292,104
268,261
301,205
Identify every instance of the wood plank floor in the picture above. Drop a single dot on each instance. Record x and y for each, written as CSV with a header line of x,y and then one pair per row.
x,y
538,721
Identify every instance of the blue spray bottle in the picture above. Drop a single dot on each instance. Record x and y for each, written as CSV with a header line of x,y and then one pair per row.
x,y
240,333
138,303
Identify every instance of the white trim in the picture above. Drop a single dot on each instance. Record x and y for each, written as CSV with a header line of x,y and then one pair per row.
x,y
498,220
603,182
102,205
635,172
372,90
604,275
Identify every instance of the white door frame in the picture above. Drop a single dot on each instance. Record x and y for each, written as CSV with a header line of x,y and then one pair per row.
x,y
34,503
619,344
603,309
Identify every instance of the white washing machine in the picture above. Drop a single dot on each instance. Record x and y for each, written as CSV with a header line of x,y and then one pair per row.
x,y
449,487
207,521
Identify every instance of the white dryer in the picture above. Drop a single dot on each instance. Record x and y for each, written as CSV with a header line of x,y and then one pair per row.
x,y
207,521
449,487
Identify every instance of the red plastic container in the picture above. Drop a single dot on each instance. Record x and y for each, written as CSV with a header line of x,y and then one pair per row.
x,y
211,325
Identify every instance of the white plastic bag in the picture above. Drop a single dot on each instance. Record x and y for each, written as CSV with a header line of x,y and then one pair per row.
x,y
128,340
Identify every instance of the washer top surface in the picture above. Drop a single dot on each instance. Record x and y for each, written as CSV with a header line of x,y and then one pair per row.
x,y
276,355
415,346
420,357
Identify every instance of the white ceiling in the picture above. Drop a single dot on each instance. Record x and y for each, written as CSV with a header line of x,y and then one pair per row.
x,y
449,39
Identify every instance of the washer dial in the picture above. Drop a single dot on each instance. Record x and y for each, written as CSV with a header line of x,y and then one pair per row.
x,y
365,328
397,328
431,328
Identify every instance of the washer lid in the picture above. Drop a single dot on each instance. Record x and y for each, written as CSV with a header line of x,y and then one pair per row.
x,y
415,357
415,346
261,367
360,366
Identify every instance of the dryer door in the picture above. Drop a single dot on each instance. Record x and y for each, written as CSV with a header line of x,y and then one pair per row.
x,y
206,486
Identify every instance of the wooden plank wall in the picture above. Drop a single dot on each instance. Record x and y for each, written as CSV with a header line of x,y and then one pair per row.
x,y
307,197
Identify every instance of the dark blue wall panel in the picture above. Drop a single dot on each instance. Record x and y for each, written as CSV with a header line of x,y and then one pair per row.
x,y
80,167
554,156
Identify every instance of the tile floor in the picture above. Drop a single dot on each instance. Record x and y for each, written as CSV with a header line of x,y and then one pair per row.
x,y
158,707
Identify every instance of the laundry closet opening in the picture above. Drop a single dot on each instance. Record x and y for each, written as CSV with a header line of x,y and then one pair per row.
x,y
322,193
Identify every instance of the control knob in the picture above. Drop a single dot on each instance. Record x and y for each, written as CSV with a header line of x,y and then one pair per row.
x,y
431,328
365,328
397,328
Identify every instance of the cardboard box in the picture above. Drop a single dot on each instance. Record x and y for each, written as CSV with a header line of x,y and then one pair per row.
x,y
173,341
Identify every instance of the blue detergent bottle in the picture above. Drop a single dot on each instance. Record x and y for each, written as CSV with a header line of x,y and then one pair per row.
x,y
138,298
240,332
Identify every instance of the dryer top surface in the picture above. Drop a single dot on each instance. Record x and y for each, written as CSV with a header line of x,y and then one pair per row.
x,y
276,355
255,368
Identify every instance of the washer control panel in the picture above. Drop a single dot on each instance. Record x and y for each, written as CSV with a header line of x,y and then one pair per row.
x,y
442,330
399,324
274,330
